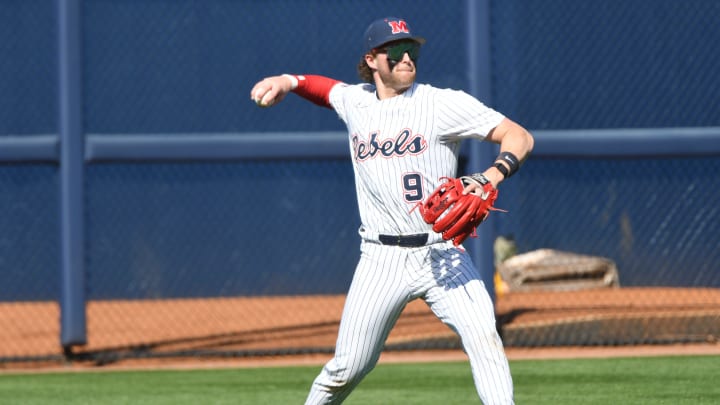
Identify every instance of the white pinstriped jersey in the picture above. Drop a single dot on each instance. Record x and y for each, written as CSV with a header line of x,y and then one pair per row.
x,y
403,145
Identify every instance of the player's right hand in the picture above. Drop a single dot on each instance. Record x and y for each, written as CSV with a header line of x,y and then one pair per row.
x,y
270,90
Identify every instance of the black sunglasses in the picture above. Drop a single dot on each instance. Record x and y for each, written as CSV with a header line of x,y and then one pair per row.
x,y
396,52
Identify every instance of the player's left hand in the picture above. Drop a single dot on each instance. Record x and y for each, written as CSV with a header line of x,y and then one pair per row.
x,y
458,206
476,187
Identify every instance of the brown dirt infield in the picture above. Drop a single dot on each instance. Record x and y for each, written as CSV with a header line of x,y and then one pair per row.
x,y
275,330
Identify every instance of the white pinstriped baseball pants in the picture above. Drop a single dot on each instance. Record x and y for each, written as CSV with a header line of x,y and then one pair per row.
x,y
385,280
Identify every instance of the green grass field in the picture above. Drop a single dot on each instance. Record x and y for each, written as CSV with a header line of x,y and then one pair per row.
x,y
643,380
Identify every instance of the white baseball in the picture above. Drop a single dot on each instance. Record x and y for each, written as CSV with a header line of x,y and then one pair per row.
x,y
262,101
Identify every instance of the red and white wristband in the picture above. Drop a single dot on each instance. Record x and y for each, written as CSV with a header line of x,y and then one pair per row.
x,y
314,88
295,80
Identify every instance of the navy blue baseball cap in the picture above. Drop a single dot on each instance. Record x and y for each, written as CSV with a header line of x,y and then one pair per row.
x,y
386,30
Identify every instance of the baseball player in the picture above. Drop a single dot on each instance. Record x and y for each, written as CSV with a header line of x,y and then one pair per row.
x,y
404,139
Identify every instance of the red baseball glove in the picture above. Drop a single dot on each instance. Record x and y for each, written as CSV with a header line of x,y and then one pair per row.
x,y
462,213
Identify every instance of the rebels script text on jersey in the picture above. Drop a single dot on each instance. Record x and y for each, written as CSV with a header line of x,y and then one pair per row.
x,y
403,145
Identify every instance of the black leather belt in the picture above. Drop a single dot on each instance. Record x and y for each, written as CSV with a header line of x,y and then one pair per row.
x,y
417,240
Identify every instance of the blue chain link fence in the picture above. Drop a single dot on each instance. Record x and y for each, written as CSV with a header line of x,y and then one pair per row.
x,y
209,243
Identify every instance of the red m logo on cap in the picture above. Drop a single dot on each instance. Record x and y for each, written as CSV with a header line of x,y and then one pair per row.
x,y
398,27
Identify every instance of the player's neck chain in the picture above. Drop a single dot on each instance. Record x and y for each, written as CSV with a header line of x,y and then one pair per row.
x,y
405,143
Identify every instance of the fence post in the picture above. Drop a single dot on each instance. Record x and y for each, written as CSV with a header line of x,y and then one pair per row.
x,y
481,155
72,298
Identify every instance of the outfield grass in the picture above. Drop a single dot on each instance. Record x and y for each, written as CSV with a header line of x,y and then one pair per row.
x,y
646,380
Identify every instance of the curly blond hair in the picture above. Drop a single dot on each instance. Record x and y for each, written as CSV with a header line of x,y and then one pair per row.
x,y
364,71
